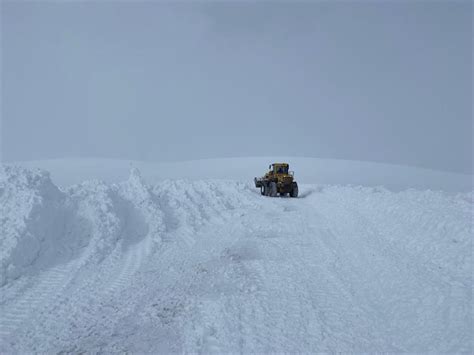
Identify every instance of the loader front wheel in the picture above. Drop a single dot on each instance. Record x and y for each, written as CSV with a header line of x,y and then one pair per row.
x,y
294,190
262,190
273,189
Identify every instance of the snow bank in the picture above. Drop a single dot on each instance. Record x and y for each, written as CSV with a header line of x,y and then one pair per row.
x,y
33,211
42,226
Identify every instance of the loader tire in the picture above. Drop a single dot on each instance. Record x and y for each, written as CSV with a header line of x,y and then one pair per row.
x,y
273,189
294,190
262,190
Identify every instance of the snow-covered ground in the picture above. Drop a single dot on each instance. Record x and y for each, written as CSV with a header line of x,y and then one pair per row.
x,y
205,264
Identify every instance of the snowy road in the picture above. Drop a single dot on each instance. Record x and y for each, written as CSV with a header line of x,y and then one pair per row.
x,y
212,266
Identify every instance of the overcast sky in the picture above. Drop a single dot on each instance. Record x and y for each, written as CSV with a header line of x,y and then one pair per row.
x,y
382,81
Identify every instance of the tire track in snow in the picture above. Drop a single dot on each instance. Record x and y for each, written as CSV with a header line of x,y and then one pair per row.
x,y
270,312
47,290
273,302
133,260
75,305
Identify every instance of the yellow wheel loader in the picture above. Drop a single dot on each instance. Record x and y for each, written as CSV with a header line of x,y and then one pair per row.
x,y
278,180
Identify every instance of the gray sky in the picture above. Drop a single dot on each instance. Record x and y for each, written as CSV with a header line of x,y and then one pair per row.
x,y
381,81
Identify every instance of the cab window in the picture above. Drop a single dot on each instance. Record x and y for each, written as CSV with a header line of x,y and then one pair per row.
x,y
282,169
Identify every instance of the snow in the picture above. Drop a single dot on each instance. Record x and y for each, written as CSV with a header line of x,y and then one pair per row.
x,y
186,259
66,172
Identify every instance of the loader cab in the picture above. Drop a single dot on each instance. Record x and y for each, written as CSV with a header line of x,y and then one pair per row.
x,y
279,168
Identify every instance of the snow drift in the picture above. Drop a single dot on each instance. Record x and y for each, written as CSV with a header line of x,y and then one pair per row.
x,y
42,226
33,212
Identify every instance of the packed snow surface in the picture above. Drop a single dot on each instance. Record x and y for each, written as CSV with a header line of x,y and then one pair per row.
x,y
203,265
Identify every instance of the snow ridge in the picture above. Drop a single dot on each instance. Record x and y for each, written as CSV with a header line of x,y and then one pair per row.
x,y
30,206
42,225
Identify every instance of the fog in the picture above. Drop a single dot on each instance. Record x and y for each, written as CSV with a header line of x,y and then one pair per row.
x,y
154,81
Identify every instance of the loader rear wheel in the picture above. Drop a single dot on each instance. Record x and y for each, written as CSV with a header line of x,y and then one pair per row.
x,y
273,189
294,190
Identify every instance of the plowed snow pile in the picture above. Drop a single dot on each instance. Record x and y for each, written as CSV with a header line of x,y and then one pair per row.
x,y
212,266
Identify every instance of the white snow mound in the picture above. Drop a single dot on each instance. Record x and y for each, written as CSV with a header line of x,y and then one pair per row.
x,y
42,226
33,211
